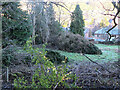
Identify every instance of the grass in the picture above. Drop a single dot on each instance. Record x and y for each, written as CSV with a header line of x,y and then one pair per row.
x,y
108,54
107,46
72,56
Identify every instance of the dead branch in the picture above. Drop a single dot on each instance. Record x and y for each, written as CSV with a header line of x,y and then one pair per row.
x,y
116,15
111,15
115,24
97,63
58,4
105,8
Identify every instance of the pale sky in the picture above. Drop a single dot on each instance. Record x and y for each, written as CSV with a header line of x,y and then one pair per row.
x,y
58,0
74,1
69,0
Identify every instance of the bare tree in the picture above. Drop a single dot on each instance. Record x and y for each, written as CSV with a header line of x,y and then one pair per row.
x,y
34,9
117,7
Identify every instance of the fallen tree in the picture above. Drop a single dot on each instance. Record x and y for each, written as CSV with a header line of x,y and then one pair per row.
x,y
70,42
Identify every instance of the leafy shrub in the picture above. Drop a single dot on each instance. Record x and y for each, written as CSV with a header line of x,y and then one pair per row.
x,y
46,74
55,57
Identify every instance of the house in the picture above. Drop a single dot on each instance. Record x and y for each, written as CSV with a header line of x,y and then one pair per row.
x,y
102,35
87,33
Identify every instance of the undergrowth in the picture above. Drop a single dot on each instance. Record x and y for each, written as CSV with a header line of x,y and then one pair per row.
x,y
46,75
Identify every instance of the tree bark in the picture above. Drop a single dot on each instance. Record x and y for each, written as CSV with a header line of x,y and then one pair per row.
x,y
33,34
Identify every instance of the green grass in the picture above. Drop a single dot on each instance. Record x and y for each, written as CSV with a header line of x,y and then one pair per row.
x,y
107,55
107,46
72,56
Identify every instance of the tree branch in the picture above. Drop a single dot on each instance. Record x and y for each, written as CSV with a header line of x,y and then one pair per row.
x,y
58,4
115,24
105,8
111,15
97,63
118,10
56,85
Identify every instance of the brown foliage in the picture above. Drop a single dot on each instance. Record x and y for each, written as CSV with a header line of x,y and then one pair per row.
x,y
74,43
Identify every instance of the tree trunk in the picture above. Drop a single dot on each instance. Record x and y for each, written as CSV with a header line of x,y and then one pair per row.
x,y
47,28
33,34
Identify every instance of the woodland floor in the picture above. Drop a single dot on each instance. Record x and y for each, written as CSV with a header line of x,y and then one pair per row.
x,y
89,74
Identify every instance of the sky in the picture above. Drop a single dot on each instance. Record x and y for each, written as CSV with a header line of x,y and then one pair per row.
x,y
59,0
95,12
73,0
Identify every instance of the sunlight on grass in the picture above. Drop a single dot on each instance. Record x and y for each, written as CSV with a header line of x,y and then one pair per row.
x,y
72,56
106,46
109,55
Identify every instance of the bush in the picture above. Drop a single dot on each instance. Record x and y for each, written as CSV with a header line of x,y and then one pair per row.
x,y
46,74
55,57
7,55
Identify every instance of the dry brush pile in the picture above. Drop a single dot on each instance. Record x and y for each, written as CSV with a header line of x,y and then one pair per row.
x,y
74,43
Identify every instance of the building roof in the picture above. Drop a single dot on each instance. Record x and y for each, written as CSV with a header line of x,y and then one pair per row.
x,y
114,31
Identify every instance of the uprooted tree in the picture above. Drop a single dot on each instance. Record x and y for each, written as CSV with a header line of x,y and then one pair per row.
x,y
70,42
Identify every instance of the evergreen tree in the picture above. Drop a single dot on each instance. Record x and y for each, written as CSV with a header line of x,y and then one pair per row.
x,y
54,25
77,22
46,25
15,24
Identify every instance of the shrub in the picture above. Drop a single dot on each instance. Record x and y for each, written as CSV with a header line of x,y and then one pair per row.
x,y
7,55
46,74
55,57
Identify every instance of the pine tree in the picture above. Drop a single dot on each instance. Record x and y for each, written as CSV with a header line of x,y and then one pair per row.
x,y
15,24
77,22
54,26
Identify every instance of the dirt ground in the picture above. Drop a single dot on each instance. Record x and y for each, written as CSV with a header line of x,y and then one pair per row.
x,y
89,75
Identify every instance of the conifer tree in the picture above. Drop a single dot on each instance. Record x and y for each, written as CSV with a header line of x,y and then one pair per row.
x,y
54,26
77,22
15,24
